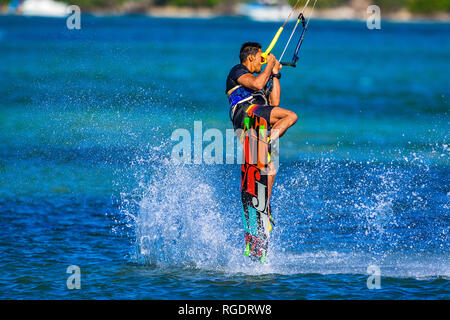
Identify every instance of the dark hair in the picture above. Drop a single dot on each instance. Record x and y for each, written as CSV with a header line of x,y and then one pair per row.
x,y
248,48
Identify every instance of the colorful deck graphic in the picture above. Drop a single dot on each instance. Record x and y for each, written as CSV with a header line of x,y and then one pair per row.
x,y
255,215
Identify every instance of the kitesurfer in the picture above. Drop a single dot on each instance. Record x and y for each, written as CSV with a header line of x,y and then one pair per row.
x,y
261,91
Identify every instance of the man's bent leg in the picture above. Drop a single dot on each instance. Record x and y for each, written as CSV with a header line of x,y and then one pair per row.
x,y
280,120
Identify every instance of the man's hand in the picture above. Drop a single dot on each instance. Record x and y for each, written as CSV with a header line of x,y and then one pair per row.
x,y
271,60
277,67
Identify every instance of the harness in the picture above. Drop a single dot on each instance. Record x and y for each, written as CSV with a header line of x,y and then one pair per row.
x,y
241,94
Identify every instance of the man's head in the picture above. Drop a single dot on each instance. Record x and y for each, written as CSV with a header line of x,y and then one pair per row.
x,y
250,56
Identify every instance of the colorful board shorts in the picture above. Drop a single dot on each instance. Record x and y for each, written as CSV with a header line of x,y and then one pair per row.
x,y
240,114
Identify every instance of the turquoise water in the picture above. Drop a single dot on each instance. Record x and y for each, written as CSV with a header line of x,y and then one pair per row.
x,y
85,179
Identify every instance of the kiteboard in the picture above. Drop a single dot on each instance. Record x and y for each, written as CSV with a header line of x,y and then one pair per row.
x,y
254,192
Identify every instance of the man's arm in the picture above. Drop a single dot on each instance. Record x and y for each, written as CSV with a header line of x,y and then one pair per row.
x,y
274,97
248,80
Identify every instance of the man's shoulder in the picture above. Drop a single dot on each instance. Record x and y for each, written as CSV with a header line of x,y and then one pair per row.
x,y
239,69
235,73
240,66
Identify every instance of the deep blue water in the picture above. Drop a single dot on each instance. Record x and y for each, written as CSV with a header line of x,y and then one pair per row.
x,y
86,179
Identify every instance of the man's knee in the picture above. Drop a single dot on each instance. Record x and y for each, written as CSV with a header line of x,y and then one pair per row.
x,y
293,117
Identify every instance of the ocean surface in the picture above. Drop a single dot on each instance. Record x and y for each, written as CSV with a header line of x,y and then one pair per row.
x,y
86,176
